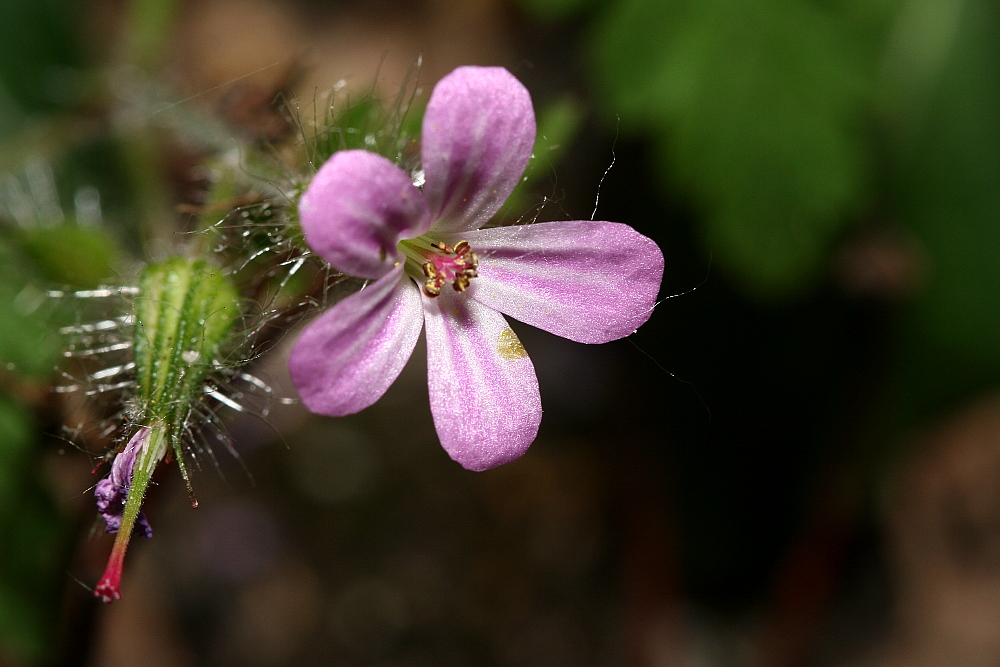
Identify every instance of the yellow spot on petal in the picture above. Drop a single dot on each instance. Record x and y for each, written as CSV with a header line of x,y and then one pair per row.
x,y
509,346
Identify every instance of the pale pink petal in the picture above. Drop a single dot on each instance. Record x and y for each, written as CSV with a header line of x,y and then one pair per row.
x,y
346,359
357,208
478,133
588,281
484,395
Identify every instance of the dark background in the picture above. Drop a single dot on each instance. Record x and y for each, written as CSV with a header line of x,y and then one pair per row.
x,y
796,461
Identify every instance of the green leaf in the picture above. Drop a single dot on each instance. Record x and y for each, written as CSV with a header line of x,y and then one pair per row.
x,y
28,343
948,179
558,124
149,29
69,254
15,439
39,55
550,11
32,544
754,108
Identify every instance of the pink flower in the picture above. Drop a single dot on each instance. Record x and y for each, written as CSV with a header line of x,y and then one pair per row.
x,y
434,267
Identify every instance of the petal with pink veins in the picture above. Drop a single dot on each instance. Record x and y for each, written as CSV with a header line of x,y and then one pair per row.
x,y
483,390
346,359
591,282
358,206
478,134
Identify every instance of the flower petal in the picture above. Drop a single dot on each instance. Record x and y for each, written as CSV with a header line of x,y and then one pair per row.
x,y
484,395
124,463
357,208
346,359
588,281
478,134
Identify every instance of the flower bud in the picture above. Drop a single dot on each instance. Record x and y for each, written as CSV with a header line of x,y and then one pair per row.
x,y
184,315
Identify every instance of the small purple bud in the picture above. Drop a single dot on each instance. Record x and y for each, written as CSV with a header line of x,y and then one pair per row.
x,y
110,492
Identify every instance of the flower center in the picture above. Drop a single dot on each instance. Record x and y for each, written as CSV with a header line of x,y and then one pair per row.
x,y
440,264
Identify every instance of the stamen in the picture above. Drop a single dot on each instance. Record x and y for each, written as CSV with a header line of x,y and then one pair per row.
x,y
457,265
440,264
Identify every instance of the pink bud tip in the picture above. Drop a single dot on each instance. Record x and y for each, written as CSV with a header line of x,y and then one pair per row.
x,y
109,587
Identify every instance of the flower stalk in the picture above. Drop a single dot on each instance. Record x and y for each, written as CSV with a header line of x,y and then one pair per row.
x,y
152,449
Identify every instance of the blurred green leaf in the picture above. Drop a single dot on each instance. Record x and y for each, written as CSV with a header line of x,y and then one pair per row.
x,y
38,54
66,255
21,634
550,11
755,110
558,124
31,543
70,254
150,23
948,181
29,581
27,342
15,438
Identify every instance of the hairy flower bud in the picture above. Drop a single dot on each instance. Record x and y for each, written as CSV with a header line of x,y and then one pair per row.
x,y
184,313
